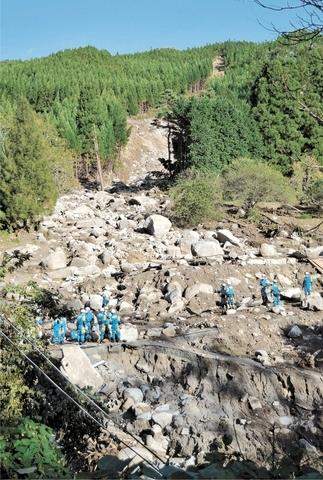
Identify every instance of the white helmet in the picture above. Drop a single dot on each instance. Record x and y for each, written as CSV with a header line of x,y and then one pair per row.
x,y
113,310
307,273
87,309
228,282
83,310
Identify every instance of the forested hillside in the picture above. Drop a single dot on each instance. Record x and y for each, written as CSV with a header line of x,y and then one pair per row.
x,y
268,105
61,113
82,96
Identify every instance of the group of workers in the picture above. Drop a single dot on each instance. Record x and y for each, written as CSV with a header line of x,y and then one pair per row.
x,y
105,323
270,292
90,326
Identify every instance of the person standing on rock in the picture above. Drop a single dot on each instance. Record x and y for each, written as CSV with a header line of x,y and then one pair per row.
x,y
63,325
230,294
89,317
115,323
81,326
264,284
103,322
105,298
275,291
223,298
307,284
56,335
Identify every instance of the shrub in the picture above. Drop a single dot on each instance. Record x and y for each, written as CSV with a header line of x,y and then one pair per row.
x,y
196,198
31,446
251,181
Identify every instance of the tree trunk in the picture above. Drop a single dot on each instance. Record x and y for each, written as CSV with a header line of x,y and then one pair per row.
x,y
98,161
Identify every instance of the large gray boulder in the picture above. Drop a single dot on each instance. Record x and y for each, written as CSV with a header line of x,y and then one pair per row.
x,y
315,301
224,235
292,293
267,250
56,259
158,225
207,248
128,333
197,289
189,237
95,301
77,367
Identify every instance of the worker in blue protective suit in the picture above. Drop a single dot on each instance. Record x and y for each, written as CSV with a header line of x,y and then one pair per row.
x,y
89,317
105,299
230,293
307,284
115,330
223,298
81,326
58,332
103,323
275,291
264,284
63,324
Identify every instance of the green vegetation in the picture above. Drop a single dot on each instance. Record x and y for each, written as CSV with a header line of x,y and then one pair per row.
x,y
35,166
267,108
196,198
29,449
250,181
76,101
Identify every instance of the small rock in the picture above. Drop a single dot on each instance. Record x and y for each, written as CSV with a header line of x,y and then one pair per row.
x,y
254,403
169,331
128,332
162,418
294,332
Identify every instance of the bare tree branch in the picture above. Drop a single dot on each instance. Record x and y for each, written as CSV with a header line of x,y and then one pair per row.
x,y
309,19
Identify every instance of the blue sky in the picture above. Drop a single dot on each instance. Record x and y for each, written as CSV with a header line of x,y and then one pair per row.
x,y
34,28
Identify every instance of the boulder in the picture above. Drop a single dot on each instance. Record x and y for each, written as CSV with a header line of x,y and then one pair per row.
x,y
292,293
162,418
224,236
176,307
158,225
126,308
174,252
134,394
197,289
95,301
294,332
174,292
56,260
254,403
202,303
207,248
315,301
189,237
169,331
267,250
128,332
77,366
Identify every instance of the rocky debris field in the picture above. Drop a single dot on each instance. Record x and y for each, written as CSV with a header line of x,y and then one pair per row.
x,y
195,382
201,390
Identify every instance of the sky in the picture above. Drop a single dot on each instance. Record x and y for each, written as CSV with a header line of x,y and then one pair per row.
x,y
35,28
